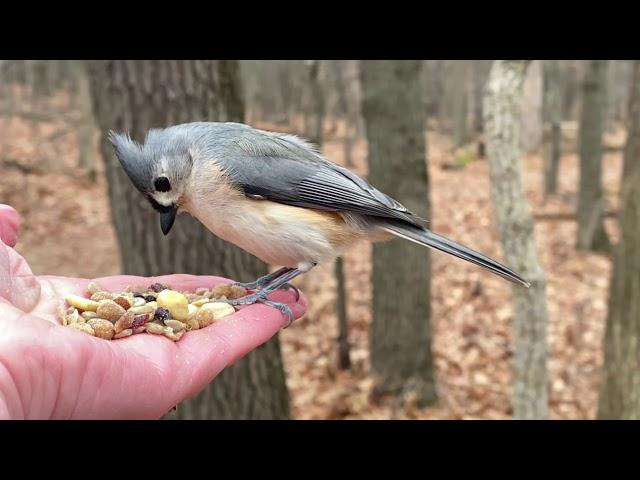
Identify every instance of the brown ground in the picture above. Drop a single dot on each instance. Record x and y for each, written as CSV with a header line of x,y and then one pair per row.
x,y
67,231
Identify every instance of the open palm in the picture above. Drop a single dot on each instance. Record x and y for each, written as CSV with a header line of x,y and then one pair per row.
x,y
51,372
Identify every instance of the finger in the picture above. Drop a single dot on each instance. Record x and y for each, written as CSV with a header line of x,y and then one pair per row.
x,y
9,225
205,353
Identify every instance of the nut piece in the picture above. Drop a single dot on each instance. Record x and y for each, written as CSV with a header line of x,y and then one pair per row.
x,y
83,327
97,296
192,324
124,322
110,310
192,310
139,329
155,328
175,325
123,301
231,292
199,303
102,328
175,302
124,333
203,292
138,301
142,309
204,318
81,303
219,309
173,336
72,317
93,287
88,315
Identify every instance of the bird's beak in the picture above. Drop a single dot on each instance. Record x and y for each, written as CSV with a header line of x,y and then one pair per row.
x,y
167,217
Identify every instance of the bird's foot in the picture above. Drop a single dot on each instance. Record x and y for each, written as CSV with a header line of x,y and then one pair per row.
x,y
264,281
261,297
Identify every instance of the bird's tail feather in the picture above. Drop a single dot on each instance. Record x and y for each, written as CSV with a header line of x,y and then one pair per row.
x,y
433,240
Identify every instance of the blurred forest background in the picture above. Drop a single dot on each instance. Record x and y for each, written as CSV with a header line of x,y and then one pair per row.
x,y
534,163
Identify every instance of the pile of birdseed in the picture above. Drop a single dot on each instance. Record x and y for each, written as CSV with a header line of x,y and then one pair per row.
x,y
157,310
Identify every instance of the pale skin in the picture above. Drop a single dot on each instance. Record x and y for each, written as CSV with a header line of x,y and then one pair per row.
x,y
51,372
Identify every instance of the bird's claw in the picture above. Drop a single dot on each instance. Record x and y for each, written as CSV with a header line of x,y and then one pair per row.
x,y
261,297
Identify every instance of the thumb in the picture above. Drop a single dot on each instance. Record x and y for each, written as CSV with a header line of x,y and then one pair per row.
x,y
9,225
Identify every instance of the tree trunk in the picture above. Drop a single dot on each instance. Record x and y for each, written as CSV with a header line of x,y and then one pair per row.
x,y
531,137
480,73
620,386
401,328
591,233
502,105
315,133
344,350
86,123
459,97
135,96
553,117
632,148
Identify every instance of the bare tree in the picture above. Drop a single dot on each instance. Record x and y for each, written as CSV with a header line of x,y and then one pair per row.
x,y
591,234
620,386
401,329
553,118
135,96
632,148
502,106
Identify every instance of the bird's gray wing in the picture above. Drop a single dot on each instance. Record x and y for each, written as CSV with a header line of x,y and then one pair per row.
x,y
317,184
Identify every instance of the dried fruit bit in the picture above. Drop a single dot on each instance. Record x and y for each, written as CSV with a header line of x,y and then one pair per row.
x,y
175,302
123,302
219,309
155,328
81,303
124,322
162,314
140,320
83,327
88,315
157,287
123,333
175,325
110,310
149,298
231,292
97,296
102,328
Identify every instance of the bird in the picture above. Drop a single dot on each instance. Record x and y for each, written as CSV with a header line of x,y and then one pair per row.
x,y
275,196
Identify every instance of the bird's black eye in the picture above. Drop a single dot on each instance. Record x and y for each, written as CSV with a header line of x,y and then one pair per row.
x,y
162,184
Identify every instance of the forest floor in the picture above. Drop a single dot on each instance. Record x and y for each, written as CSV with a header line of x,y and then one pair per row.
x,y
67,231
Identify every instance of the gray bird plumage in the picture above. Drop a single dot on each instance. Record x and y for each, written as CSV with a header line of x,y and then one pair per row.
x,y
284,169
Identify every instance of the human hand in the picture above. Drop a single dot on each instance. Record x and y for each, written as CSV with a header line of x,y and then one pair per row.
x,y
51,372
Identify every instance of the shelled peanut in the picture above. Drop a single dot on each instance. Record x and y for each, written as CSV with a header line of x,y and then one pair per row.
x,y
156,310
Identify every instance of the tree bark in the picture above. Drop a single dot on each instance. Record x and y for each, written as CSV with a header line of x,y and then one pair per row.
x,y
553,117
591,234
344,350
620,386
401,329
317,102
135,96
632,148
502,106
460,97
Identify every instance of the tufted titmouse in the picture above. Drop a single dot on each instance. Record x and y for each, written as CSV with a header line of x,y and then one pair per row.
x,y
272,195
